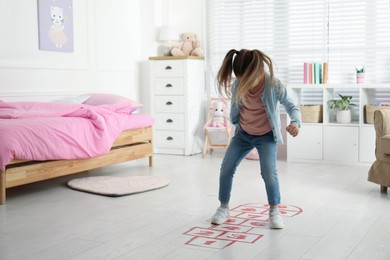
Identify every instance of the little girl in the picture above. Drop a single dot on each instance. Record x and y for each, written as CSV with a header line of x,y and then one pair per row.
x,y
255,96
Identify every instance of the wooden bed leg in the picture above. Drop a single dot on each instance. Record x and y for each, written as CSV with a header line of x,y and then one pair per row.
x,y
204,151
151,158
2,188
151,161
383,189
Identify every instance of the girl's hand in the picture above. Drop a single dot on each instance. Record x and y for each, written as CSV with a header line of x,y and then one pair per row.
x,y
292,130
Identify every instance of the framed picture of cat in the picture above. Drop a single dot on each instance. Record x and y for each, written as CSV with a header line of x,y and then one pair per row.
x,y
55,25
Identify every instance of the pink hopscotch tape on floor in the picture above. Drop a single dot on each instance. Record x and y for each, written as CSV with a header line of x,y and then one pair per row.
x,y
204,232
242,227
287,210
253,230
231,228
252,216
209,242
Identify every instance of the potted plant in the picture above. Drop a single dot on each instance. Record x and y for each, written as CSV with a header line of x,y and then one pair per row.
x,y
343,107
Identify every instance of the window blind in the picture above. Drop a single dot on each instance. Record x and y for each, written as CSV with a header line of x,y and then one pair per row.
x,y
359,35
344,33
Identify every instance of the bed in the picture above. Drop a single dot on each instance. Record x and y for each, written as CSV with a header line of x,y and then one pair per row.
x,y
90,137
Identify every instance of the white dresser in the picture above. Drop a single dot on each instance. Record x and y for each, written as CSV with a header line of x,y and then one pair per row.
x,y
177,102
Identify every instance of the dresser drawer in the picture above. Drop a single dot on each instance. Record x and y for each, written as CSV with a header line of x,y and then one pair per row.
x,y
169,139
169,104
169,86
166,121
168,68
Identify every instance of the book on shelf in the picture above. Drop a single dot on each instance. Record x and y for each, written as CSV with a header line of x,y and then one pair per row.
x,y
315,73
305,76
325,73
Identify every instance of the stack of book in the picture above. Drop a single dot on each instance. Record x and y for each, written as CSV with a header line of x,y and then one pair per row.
x,y
315,73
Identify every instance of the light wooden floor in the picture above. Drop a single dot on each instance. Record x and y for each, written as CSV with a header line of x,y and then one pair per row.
x,y
344,216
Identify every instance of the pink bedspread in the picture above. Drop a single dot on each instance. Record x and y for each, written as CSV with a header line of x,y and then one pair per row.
x,y
53,131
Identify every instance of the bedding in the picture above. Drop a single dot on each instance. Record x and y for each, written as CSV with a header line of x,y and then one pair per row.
x,y
97,99
56,131
135,121
73,99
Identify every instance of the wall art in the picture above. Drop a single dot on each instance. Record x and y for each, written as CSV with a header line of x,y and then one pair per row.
x,y
55,25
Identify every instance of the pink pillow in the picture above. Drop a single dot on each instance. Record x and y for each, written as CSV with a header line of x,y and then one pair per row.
x,y
97,99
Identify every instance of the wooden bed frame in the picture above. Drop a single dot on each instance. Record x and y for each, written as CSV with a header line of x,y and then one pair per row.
x,y
130,145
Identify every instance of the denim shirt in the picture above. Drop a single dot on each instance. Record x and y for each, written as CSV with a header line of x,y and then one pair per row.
x,y
272,95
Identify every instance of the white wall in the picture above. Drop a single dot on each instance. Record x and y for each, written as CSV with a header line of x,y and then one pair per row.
x,y
113,39
186,15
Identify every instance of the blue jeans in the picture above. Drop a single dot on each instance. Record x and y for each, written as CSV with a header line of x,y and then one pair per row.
x,y
241,144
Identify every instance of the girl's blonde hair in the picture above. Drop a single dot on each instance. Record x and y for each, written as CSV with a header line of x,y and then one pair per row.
x,y
248,67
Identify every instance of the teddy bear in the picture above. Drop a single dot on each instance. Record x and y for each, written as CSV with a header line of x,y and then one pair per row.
x,y
189,47
218,118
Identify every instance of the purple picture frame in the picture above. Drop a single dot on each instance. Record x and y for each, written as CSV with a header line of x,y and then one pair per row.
x,y
55,25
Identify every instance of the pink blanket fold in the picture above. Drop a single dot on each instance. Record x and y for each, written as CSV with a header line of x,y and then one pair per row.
x,y
54,131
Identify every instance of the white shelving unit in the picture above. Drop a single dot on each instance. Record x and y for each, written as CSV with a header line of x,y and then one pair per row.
x,y
329,141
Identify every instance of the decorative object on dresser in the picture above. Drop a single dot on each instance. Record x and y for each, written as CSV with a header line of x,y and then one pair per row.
x,y
190,46
176,100
168,35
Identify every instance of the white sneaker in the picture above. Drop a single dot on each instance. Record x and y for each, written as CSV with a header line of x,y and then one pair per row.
x,y
220,216
276,221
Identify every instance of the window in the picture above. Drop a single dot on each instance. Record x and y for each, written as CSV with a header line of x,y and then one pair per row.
x,y
344,33
359,35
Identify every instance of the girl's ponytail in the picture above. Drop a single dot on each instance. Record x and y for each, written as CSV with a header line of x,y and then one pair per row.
x,y
248,67
224,76
267,60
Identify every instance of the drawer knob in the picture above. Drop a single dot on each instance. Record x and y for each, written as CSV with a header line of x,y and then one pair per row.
x,y
169,103
168,68
169,121
169,138
168,85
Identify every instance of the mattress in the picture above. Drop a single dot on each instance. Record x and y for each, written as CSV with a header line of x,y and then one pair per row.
x,y
138,121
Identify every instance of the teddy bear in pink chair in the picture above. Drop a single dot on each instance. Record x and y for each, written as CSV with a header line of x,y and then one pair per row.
x,y
218,127
218,117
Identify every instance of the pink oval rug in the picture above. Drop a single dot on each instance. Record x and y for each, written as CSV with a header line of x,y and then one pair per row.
x,y
116,186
